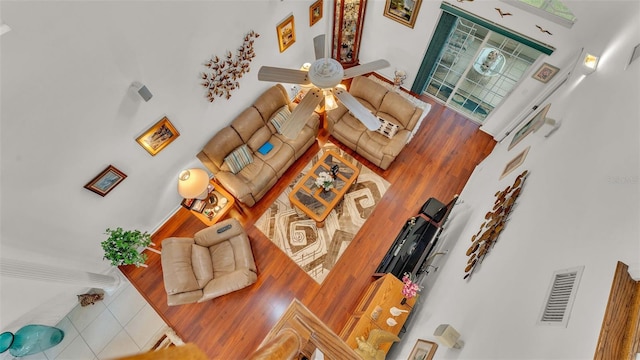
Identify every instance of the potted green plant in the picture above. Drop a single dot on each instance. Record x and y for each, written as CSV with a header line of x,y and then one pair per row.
x,y
122,247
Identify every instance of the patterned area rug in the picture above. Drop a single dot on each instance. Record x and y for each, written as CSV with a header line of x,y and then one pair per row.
x,y
317,250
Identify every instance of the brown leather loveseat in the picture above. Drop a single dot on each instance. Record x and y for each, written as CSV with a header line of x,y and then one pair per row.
x,y
215,262
234,155
380,147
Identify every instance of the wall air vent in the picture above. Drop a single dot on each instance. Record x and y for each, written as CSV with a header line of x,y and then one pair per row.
x,y
559,299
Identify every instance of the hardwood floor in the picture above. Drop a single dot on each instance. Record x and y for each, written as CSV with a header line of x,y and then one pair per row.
x,y
437,163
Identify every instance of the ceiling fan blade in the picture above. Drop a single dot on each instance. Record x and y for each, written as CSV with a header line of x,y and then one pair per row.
x,y
318,46
358,110
292,127
365,68
289,76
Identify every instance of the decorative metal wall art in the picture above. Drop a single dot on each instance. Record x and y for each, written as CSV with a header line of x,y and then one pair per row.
x,y
495,222
223,73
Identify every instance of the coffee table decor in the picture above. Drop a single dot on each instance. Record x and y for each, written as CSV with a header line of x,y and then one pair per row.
x,y
317,249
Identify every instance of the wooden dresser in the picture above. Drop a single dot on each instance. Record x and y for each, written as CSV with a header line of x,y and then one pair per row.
x,y
373,308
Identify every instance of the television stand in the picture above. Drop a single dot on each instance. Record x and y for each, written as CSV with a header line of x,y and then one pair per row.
x,y
411,248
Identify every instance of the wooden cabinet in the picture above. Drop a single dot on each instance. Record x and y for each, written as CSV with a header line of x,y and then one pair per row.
x,y
348,19
373,310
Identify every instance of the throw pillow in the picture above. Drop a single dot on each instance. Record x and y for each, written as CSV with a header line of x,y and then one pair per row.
x,y
238,159
387,128
280,117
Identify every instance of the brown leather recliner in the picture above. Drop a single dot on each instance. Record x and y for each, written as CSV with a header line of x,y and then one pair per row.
x,y
215,262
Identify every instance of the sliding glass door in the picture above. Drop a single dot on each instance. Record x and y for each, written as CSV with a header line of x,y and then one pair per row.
x,y
472,68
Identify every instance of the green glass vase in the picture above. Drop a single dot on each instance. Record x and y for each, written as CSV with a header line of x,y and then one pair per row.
x,y
30,339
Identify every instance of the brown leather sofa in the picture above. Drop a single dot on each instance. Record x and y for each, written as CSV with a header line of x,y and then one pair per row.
x,y
386,104
215,262
254,128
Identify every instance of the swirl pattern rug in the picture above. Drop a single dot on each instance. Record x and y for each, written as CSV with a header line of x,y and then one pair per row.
x,y
317,250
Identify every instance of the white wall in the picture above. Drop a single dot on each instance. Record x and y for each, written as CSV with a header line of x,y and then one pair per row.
x,y
579,207
67,113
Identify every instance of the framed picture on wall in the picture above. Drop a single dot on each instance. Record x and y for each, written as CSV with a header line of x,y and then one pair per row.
x,y
423,350
158,136
104,182
404,12
286,33
515,162
545,73
533,124
315,12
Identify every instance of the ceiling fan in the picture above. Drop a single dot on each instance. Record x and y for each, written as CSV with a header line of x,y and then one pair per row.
x,y
324,75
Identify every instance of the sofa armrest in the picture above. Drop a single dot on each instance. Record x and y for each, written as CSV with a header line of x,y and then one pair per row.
x,y
313,121
204,159
184,298
236,186
242,252
176,261
333,116
227,283
396,143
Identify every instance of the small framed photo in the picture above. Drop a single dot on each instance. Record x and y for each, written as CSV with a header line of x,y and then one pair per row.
x,y
286,33
188,203
545,73
404,12
108,179
198,205
158,136
530,126
315,12
515,162
423,350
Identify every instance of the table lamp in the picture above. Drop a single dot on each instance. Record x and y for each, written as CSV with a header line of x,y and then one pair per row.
x,y
193,184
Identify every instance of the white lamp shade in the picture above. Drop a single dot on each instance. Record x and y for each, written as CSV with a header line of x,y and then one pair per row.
x,y
193,183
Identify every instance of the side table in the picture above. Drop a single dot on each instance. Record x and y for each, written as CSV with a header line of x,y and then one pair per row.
x,y
216,213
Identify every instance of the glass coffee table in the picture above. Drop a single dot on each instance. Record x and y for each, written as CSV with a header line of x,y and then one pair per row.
x,y
312,199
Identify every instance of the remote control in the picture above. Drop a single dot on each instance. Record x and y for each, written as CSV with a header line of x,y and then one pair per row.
x,y
224,228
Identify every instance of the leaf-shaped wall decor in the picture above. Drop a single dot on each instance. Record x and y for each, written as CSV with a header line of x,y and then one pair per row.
x,y
223,73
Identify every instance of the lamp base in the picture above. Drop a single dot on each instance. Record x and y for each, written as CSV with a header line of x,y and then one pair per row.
x,y
204,195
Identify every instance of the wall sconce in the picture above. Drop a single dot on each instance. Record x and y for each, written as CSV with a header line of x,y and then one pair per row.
x,y
142,90
193,184
590,63
448,336
4,28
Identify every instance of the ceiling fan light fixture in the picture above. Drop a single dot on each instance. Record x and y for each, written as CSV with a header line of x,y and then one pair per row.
x,y
326,73
329,100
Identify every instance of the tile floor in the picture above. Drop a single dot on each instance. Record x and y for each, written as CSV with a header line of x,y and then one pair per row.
x,y
121,324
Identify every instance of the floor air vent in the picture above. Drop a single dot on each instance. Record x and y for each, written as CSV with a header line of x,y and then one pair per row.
x,y
559,300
